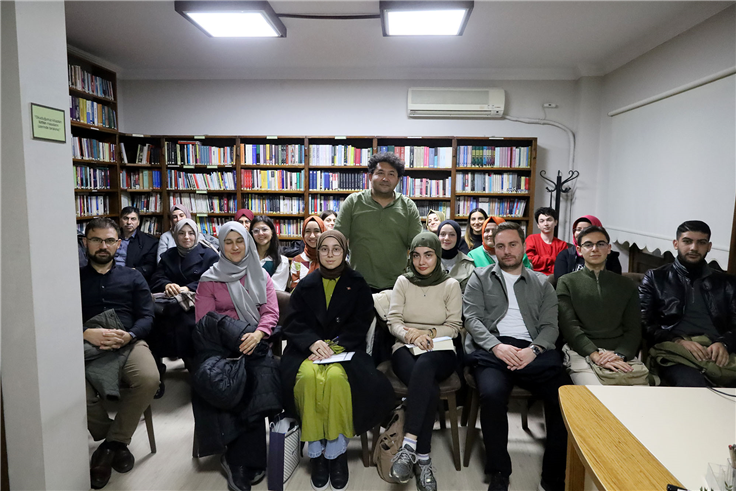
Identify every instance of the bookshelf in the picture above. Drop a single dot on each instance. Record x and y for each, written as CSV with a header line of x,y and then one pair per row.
x,y
93,121
284,177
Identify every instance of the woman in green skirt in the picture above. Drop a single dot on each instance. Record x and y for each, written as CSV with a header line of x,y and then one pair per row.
x,y
332,310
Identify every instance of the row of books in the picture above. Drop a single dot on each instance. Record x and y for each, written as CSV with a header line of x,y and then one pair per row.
x,y
337,181
145,202
144,154
151,225
194,153
93,113
473,156
203,203
320,203
204,180
422,157
502,207
271,154
508,182
338,155
272,179
91,149
92,205
290,227
140,179
418,187
81,79
210,225
86,177
260,204
442,206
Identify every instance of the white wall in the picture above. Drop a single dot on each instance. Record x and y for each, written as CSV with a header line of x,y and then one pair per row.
x,y
675,159
43,361
243,107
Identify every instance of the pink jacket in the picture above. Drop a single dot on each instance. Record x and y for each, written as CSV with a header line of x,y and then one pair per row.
x,y
212,296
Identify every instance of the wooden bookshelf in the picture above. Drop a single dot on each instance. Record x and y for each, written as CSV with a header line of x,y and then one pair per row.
x,y
344,155
94,146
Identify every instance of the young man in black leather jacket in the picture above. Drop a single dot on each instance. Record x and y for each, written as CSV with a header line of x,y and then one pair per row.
x,y
686,299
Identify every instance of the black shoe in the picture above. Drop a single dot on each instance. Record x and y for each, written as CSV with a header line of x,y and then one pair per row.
x,y
339,475
100,466
255,476
551,486
320,473
499,482
236,476
123,461
161,389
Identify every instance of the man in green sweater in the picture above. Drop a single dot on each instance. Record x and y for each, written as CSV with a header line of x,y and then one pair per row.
x,y
600,318
380,224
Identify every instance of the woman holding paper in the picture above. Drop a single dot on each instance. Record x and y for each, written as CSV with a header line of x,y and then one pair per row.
x,y
332,310
426,304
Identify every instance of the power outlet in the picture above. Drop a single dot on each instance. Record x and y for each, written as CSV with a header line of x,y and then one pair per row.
x,y
550,105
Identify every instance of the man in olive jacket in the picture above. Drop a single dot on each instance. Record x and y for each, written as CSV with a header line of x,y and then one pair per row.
x,y
511,319
600,316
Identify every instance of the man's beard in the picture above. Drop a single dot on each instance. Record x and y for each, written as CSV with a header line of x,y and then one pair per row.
x,y
102,262
506,267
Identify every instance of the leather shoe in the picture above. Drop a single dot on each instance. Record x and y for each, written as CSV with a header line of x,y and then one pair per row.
x,y
161,390
237,479
100,466
339,475
255,476
123,461
320,473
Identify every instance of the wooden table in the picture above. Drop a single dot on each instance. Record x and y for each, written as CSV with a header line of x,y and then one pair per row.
x,y
644,438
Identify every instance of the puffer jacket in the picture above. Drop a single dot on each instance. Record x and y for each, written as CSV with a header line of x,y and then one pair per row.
x,y
232,391
664,292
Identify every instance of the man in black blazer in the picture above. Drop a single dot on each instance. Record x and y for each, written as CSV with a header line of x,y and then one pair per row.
x,y
137,249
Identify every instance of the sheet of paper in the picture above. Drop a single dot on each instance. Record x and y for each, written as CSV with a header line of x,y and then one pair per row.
x,y
347,356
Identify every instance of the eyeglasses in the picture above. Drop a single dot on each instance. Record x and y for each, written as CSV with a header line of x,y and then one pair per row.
x,y
589,245
97,241
258,231
325,251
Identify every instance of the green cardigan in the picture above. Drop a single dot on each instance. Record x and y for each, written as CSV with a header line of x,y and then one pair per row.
x,y
599,312
481,258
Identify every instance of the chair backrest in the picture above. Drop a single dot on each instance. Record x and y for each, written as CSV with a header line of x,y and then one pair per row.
x,y
635,277
284,306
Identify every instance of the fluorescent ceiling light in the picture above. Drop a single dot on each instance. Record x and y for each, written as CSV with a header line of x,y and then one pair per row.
x,y
233,19
406,18
234,24
424,23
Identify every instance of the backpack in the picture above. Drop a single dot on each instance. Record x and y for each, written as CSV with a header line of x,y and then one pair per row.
x,y
389,443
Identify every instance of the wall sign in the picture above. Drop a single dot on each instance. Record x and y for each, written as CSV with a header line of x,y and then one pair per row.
x,y
48,123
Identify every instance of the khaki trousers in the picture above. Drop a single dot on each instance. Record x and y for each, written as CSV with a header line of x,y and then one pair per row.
x,y
579,370
139,384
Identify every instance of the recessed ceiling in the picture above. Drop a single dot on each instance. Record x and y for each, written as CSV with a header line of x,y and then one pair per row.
x,y
503,40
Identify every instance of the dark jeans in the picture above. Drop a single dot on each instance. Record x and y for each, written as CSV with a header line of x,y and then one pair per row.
x,y
422,375
249,448
542,377
682,376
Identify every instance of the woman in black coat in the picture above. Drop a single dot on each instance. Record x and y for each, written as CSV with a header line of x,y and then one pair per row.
x,y
332,310
178,273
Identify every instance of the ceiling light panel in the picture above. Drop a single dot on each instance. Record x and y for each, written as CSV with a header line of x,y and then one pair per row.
x,y
232,19
406,18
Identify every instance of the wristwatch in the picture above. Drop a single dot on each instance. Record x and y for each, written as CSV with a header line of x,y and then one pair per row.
x,y
537,350
623,358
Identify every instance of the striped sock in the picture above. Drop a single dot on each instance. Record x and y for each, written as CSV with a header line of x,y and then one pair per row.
x,y
408,441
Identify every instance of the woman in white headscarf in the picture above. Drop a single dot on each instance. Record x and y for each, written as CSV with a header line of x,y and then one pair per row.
x,y
237,286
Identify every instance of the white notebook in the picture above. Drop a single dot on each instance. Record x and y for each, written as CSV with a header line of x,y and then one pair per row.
x,y
442,343
346,356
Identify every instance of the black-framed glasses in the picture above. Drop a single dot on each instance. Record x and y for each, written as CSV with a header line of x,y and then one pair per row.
x,y
97,241
589,245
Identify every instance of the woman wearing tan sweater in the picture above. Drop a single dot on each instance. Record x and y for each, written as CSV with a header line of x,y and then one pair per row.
x,y
426,303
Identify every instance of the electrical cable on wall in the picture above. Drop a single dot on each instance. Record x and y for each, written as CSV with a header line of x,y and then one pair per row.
x,y
571,161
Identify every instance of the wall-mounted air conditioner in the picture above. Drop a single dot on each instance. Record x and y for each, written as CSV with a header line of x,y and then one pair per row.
x,y
456,103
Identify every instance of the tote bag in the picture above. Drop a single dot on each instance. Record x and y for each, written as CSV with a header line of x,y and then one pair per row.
x,y
284,449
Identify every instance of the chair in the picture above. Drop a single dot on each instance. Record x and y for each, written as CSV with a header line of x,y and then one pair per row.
x,y
148,418
448,388
473,396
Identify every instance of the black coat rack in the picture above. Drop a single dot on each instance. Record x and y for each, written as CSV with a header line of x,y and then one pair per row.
x,y
558,188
